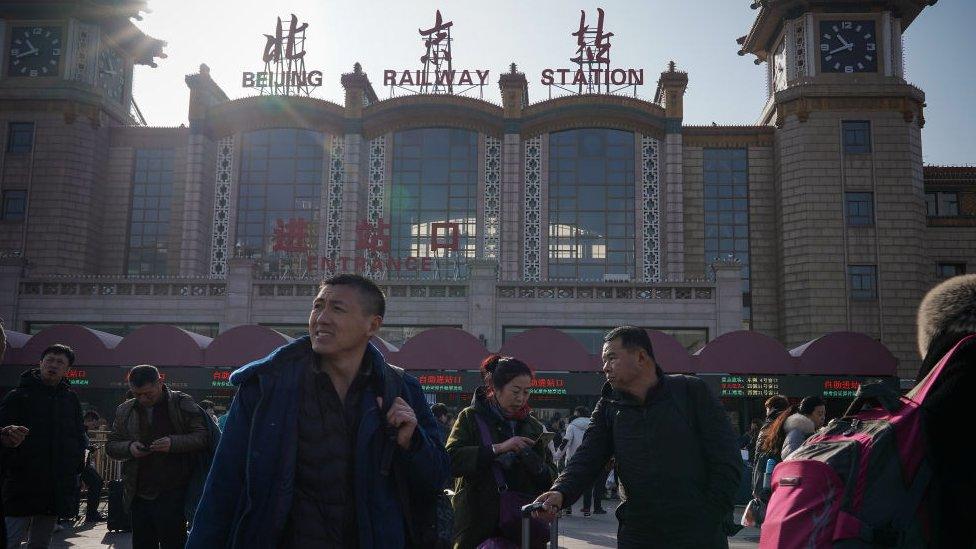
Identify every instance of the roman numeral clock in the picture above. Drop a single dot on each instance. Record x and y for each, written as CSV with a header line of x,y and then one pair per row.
x,y
848,46
34,51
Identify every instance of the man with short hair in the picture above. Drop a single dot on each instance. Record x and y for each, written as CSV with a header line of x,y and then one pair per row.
x,y
675,451
156,434
40,474
326,445
439,410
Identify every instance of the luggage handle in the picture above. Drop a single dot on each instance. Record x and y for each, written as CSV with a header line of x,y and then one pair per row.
x,y
877,393
527,511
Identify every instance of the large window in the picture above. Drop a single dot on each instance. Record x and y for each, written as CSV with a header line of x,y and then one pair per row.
x,y
20,137
942,204
14,205
949,270
857,136
591,204
152,190
434,198
860,209
278,204
726,173
864,281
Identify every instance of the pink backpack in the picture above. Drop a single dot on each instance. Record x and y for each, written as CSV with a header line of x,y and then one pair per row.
x,y
860,481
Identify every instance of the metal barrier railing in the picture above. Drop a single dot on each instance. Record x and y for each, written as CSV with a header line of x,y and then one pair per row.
x,y
108,468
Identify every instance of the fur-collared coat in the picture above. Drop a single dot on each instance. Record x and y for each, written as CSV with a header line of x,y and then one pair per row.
x,y
798,429
946,316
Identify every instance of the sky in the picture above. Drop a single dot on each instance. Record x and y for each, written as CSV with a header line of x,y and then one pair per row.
x,y
699,35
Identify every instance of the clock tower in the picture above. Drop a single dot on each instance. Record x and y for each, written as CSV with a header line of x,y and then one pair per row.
x,y
849,198
65,80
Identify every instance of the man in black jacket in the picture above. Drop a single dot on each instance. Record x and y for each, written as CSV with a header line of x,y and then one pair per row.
x,y
40,475
675,451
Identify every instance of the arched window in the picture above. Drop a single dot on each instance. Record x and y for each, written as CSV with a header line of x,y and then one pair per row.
x,y
278,200
592,197
434,199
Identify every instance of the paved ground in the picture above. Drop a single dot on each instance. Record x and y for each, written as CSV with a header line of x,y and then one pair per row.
x,y
575,532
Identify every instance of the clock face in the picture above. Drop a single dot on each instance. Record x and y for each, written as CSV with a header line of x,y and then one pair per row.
x,y
111,73
779,67
848,46
34,51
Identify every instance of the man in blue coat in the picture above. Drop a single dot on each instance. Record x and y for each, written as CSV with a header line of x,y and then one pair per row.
x,y
326,445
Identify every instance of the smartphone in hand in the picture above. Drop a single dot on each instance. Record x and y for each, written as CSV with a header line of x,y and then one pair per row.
x,y
545,438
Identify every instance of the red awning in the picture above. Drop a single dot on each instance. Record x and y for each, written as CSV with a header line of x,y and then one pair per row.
x,y
162,345
440,349
242,344
91,347
744,352
548,349
845,354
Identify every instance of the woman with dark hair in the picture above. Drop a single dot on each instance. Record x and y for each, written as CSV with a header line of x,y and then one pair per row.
x,y
496,444
797,427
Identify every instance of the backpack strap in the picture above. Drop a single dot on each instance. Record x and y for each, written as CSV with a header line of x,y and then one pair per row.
x,y
681,396
486,441
922,388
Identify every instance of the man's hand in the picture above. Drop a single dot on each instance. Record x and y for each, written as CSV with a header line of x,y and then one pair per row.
x,y
552,502
12,436
401,417
160,445
138,450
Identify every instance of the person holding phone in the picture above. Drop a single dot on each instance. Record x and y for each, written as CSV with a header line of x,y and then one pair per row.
x,y
496,446
156,433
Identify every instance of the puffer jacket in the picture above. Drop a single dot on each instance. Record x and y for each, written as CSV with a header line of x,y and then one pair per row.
x,y
676,461
574,435
41,475
798,429
191,435
476,492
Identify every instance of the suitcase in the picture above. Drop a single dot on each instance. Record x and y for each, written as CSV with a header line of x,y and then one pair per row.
x,y
553,526
118,517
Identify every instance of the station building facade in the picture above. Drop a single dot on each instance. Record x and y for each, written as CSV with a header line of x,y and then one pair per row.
x,y
578,213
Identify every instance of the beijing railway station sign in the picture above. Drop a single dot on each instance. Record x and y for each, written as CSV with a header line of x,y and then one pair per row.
x,y
437,74
284,63
592,72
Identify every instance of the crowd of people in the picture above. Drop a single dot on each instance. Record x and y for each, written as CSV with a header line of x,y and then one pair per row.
x,y
326,444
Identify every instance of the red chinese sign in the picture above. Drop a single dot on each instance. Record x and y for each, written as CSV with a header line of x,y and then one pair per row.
x,y
290,236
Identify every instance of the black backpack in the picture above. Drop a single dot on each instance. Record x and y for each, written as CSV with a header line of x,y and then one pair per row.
x,y
429,517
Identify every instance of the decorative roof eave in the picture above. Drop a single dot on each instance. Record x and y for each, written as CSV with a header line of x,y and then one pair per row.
x,y
114,16
431,110
270,111
143,48
593,111
772,12
949,175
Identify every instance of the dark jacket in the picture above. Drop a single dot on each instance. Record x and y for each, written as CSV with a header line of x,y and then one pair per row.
x,y
248,494
476,491
678,466
191,436
41,475
946,316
